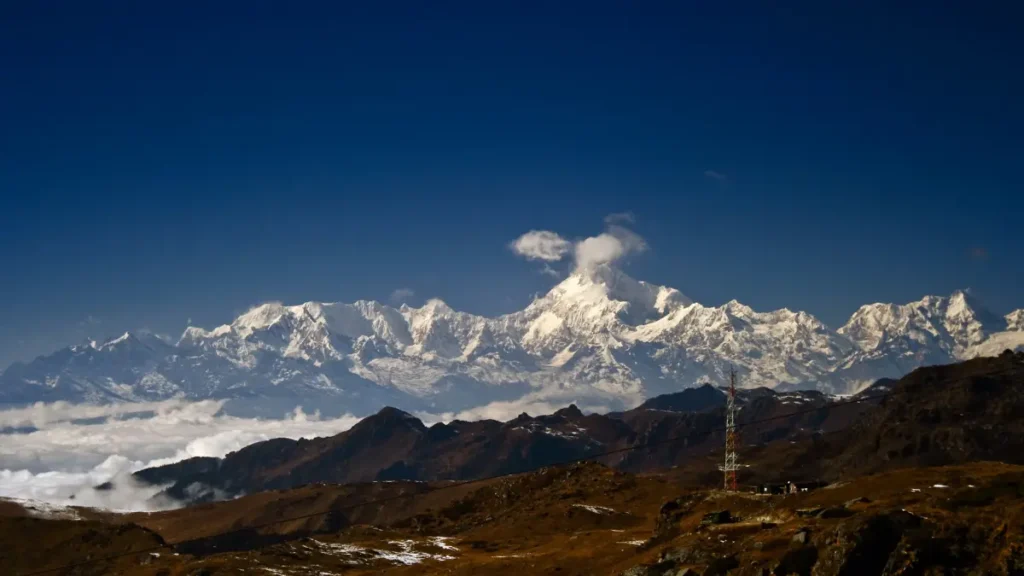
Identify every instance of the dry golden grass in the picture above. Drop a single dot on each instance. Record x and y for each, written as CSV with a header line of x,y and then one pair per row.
x,y
537,524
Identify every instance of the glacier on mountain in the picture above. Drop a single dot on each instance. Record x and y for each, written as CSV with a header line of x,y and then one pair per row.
x,y
597,337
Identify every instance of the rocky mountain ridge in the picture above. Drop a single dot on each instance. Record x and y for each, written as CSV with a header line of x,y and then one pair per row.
x,y
393,445
935,416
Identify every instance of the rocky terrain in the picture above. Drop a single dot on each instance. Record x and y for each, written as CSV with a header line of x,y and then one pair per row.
x,y
580,520
925,480
598,338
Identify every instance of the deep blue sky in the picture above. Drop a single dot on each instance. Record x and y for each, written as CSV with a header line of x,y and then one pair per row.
x,y
160,164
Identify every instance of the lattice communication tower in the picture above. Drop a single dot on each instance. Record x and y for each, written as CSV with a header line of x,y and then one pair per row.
x,y
730,466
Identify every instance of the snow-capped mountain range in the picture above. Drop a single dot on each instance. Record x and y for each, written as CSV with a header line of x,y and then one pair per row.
x,y
597,337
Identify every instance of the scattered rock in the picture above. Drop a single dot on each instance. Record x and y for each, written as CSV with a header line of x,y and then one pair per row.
x,y
719,517
802,536
685,555
836,512
863,546
809,512
721,566
800,561
659,569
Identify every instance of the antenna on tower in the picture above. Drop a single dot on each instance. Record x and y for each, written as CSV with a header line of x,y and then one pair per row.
x,y
730,466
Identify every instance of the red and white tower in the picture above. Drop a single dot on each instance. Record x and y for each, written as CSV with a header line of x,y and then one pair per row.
x,y
730,466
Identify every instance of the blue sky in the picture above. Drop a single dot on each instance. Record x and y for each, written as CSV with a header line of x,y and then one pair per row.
x,y
160,164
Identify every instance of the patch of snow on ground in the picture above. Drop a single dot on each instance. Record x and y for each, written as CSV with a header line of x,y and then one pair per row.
x,y
406,555
634,542
595,509
534,427
46,510
442,543
793,399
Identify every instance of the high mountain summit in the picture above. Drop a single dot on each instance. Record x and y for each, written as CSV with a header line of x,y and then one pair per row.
x,y
597,338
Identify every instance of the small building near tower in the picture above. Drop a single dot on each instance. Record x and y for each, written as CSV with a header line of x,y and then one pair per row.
x,y
773,488
789,487
798,487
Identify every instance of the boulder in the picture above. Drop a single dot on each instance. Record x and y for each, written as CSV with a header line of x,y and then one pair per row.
x,y
799,561
718,517
721,566
809,512
659,569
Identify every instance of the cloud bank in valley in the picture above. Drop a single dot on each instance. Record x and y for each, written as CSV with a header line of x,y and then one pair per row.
x,y
58,453
53,452
503,411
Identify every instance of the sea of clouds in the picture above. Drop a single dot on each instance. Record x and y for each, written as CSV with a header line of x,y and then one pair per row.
x,y
57,453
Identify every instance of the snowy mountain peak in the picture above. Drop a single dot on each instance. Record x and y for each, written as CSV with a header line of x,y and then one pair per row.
x,y
133,341
260,317
896,339
598,336
1015,320
436,306
115,341
954,322
603,296
737,308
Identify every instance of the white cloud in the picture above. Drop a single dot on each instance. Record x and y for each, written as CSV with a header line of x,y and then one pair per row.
x,y
503,411
615,243
715,175
402,296
608,247
549,271
620,217
541,245
72,448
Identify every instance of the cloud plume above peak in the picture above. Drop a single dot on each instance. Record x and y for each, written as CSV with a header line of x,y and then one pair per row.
x,y
541,245
608,247
401,296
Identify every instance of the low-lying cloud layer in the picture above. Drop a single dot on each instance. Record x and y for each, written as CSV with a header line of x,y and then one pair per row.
x,y
51,452
504,411
59,453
